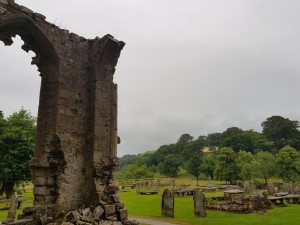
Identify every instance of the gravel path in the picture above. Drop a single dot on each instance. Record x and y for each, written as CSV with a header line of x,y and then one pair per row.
x,y
151,221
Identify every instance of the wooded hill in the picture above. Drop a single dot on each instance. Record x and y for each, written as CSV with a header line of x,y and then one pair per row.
x,y
234,154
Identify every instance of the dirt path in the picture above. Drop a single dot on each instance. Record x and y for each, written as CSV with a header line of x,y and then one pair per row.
x,y
151,221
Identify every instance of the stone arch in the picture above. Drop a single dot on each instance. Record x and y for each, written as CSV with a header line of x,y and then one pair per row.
x,y
75,157
47,62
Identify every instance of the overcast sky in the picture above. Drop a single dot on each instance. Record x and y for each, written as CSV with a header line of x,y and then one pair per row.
x,y
189,66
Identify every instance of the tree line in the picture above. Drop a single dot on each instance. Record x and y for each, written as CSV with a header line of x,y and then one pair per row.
x,y
234,154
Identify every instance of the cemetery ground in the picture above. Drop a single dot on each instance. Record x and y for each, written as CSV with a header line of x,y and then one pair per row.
x,y
149,206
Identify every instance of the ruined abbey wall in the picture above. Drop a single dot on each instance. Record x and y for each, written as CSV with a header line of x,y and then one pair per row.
x,y
75,156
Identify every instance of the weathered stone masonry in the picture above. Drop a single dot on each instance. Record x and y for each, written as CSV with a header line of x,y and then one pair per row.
x,y
75,157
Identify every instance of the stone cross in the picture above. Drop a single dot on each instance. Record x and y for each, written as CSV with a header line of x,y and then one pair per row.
x,y
199,204
167,206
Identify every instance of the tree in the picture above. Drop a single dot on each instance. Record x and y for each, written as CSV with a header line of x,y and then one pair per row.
x,y
17,142
194,165
265,165
185,138
279,130
134,171
226,168
288,163
170,166
208,165
245,164
214,139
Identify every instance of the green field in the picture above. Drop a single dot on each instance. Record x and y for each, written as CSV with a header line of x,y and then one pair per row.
x,y
149,206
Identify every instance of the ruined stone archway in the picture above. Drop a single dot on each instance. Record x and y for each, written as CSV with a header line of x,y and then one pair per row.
x,y
75,156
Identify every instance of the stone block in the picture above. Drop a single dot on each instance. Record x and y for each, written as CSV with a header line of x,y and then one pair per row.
x,y
4,2
109,210
3,11
79,222
72,217
41,190
116,198
65,223
39,181
122,214
98,212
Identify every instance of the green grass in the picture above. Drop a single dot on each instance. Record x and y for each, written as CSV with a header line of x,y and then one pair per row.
x,y
149,206
27,195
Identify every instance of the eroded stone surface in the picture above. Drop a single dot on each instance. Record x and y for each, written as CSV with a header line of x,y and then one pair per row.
x,y
75,157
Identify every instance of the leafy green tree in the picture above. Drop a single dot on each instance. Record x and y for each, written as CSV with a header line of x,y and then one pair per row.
x,y
134,171
185,138
171,165
226,167
279,130
214,139
194,164
245,164
17,142
126,160
265,165
208,165
288,164
232,138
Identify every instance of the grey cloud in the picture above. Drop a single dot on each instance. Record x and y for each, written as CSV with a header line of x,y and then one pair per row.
x,y
192,66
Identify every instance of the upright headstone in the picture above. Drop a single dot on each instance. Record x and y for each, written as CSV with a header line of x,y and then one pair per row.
x,y
167,206
157,185
270,188
246,187
265,200
13,207
138,187
252,187
209,183
296,190
287,187
199,204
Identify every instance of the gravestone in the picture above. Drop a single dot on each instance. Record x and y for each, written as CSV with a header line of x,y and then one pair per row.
x,y
246,187
209,183
173,182
252,187
199,204
265,199
296,189
13,207
167,207
270,188
287,187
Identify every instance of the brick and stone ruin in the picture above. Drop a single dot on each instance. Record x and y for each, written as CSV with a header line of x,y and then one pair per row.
x,y
75,157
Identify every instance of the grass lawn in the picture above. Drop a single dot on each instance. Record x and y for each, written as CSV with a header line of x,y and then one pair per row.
x,y
27,195
149,206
